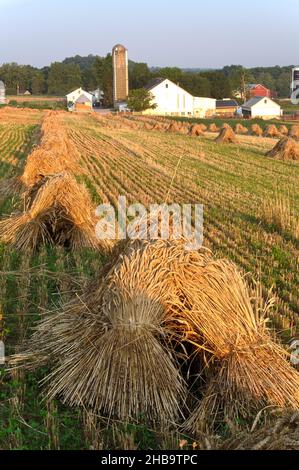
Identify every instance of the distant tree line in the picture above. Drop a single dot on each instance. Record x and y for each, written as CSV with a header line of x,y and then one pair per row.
x,y
93,72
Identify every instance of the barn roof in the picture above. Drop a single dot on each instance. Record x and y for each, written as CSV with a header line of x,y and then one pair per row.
x,y
253,101
154,82
256,99
226,104
83,99
251,86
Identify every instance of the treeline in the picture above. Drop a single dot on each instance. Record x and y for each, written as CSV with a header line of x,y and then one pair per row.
x,y
93,72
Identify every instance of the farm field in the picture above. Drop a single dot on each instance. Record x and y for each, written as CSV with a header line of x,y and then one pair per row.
x,y
118,156
35,98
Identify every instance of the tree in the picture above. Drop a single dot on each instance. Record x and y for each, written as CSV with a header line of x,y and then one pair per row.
x,y
195,84
172,73
103,72
283,85
63,78
140,100
38,83
16,77
84,63
139,75
220,84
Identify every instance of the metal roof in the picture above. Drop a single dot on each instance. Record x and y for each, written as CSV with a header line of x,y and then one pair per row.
x,y
226,104
154,82
250,86
83,99
253,101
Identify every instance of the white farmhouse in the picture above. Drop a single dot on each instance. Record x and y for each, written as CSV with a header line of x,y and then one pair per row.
x,y
261,107
73,97
172,100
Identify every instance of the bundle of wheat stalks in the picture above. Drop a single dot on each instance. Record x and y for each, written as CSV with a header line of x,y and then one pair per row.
x,y
213,128
117,349
256,130
272,131
281,433
197,129
54,154
239,129
226,136
55,210
286,149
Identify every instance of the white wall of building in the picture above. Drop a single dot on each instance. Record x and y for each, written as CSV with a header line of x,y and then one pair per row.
x,y
204,107
266,108
171,100
74,95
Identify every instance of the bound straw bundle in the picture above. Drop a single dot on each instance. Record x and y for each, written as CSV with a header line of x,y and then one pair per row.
x,y
110,349
246,368
256,130
55,153
286,149
148,303
226,136
56,210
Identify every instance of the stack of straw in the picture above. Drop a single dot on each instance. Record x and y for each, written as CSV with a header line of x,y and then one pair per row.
x,y
117,350
56,210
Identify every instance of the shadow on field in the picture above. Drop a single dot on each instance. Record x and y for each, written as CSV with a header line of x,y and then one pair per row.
x,y
269,228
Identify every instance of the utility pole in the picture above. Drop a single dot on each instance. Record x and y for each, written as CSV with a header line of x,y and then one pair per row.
x,y
243,85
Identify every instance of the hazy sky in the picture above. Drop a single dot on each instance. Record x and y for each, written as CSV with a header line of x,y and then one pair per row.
x,y
191,33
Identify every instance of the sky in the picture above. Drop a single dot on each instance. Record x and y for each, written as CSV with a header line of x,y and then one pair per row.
x,y
191,33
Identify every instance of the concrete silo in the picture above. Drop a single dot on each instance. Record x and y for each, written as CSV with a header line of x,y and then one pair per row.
x,y
120,74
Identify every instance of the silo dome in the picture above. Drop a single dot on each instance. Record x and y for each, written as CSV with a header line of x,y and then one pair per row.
x,y
119,48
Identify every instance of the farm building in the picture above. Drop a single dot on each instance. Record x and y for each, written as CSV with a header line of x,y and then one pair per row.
x,y
172,100
98,96
261,107
83,103
204,107
73,97
2,93
256,89
226,107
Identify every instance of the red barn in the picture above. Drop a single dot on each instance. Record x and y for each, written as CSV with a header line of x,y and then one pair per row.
x,y
256,89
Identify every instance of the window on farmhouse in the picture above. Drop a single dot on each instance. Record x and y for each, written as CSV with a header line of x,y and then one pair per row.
x,y
166,85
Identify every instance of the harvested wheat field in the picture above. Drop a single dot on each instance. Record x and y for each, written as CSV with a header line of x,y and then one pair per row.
x,y
87,327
